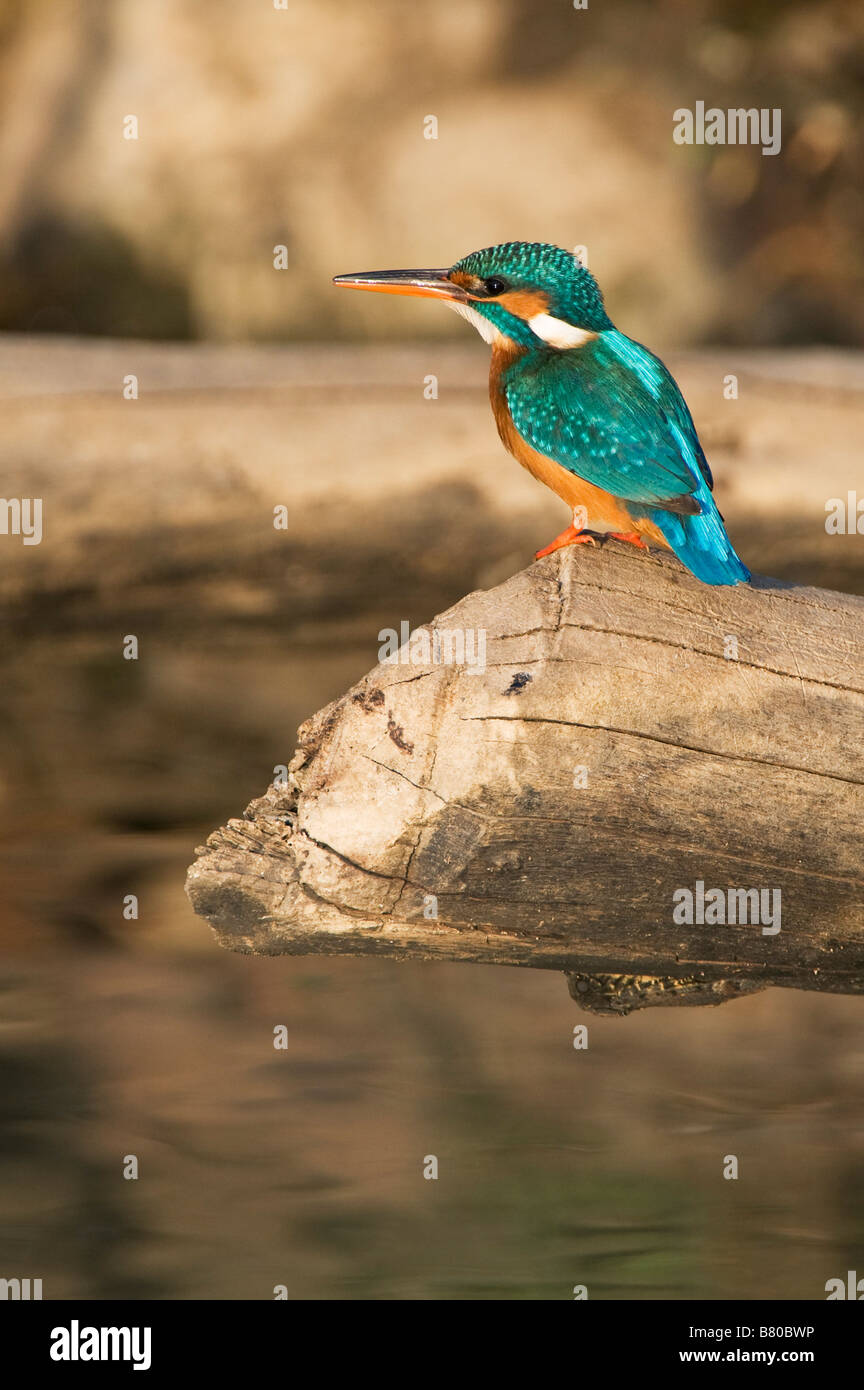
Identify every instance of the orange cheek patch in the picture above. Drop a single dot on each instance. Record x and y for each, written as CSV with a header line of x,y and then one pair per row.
x,y
524,303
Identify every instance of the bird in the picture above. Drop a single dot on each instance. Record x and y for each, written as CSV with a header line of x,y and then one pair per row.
x,y
586,410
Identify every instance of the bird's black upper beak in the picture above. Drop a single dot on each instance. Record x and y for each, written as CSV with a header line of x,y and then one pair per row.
x,y
432,284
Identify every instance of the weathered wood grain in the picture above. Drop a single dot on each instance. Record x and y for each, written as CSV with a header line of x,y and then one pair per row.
x,y
432,786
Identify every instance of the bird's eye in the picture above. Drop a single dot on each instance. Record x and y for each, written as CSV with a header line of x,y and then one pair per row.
x,y
495,285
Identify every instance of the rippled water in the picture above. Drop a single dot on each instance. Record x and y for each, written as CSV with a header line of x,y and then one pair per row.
x,y
304,1167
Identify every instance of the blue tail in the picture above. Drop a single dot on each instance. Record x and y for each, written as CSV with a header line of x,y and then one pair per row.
x,y
701,543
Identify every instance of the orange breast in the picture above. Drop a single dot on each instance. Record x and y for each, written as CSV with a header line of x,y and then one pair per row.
x,y
604,512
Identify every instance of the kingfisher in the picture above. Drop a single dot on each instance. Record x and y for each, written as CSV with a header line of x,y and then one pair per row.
x,y
589,412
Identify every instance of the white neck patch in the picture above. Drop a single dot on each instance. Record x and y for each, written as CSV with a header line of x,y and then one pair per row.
x,y
487,330
558,333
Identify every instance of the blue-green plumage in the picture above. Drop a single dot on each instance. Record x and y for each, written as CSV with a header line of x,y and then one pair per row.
x,y
575,399
607,410
611,413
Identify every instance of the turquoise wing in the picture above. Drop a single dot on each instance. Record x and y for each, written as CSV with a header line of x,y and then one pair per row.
x,y
610,413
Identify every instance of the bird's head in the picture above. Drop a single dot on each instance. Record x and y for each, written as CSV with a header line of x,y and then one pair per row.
x,y
528,292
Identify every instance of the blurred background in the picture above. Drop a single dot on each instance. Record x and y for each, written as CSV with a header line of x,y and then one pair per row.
x,y
163,388
304,126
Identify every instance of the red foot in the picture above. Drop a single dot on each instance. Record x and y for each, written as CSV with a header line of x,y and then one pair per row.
x,y
632,536
572,536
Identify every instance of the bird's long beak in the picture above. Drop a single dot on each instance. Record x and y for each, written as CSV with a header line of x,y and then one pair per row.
x,y
433,284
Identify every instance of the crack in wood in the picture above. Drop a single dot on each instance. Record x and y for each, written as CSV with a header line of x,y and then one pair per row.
x,y
521,881
655,738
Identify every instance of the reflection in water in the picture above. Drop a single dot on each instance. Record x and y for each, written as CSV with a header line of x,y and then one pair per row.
x,y
304,1167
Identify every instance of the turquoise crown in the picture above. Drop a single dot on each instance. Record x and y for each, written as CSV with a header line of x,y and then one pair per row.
x,y
574,294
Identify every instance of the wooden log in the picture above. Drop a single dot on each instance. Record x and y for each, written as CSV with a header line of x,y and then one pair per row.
x,y
633,734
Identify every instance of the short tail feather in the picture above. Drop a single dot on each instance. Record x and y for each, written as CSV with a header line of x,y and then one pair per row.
x,y
701,542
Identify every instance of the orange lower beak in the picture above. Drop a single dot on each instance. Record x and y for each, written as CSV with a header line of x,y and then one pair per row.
x,y
431,284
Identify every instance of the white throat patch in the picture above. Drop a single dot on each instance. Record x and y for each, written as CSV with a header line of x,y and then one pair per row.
x,y
487,330
558,333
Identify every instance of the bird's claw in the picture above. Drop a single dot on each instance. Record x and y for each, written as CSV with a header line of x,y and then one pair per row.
x,y
571,536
